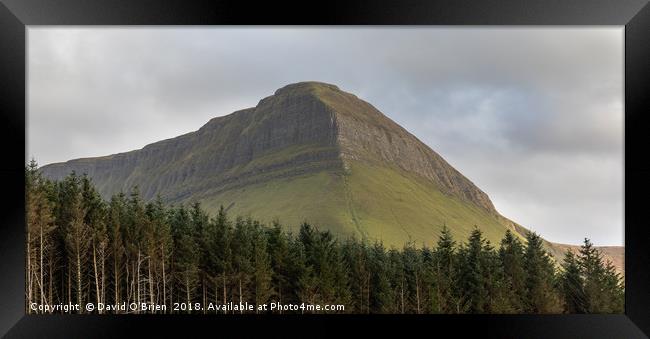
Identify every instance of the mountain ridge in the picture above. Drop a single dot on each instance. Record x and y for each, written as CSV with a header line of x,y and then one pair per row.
x,y
337,157
347,142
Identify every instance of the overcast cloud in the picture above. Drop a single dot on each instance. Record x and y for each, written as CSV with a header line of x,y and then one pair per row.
x,y
533,116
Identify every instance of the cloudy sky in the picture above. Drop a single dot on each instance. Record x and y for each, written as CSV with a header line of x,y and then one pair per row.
x,y
533,116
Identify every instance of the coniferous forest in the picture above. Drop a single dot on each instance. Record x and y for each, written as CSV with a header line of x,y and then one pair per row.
x,y
81,249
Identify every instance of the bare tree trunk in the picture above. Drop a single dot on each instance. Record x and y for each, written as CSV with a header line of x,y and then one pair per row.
x,y
240,296
116,278
150,283
103,273
41,265
79,291
402,295
204,291
417,291
361,296
128,281
224,292
137,281
171,290
216,294
162,255
438,288
368,294
49,267
69,285
28,272
96,276
187,289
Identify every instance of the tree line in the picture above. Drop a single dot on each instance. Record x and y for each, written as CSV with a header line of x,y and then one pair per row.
x,y
81,249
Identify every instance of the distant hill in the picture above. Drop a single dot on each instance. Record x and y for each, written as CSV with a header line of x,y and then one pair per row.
x,y
310,152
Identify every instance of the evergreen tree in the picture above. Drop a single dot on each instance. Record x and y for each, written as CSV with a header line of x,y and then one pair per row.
x,y
613,284
186,255
473,273
262,271
393,299
355,254
306,281
219,254
541,296
242,248
78,243
602,286
445,274
379,294
39,243
95,219
494,277
413,278
511,255
115,224
572,285
82,249
159,245
278,246
200,227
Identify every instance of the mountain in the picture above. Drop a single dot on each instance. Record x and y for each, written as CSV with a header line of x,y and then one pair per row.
x,y
309,152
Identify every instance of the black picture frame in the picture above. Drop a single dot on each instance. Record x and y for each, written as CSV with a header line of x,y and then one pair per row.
x,y
15,15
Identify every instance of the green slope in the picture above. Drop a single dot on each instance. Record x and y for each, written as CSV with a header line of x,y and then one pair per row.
x,y
368,201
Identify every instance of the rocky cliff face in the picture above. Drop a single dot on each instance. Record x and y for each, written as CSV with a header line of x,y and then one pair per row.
x,y
366,134
303,127
283,134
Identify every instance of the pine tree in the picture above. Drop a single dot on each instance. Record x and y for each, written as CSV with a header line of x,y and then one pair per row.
x,y
541,296
355,254
494,277
242,249
342,295
262,271
115,225
602,285
305,283
95,218
429,283
136,226
78,243
39,245
613,284
379,293
219,254
413,278
186,255
199,229
278,246
473,273
326,263
66,197
158,242
393,299
445,273
572,285
511,255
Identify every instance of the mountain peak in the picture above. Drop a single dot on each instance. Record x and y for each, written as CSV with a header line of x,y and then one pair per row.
x,y
309,152
305,86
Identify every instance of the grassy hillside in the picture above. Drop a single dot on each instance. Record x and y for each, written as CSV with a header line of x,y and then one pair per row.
x,y
368,201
